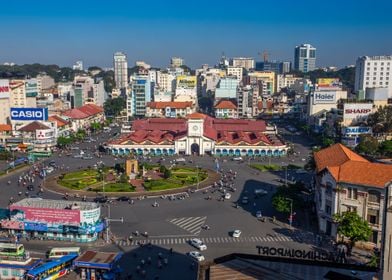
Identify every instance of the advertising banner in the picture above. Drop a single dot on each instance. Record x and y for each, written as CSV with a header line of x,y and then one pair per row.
x,y
29,114
35,226
357,130
9,224
4,89
357,110
47,215
328,82
186,82
324,97
90,216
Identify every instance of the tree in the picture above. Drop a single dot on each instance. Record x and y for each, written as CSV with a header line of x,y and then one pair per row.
x,y
386,148
381,120
281,204
113,107
63,141
281,198
123,178
167,173
368,145
95,126
352,226
326,142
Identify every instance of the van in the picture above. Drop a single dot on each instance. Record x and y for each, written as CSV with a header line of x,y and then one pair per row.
x,y
260,192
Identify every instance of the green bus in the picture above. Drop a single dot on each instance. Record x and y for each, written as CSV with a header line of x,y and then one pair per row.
x,y
12,249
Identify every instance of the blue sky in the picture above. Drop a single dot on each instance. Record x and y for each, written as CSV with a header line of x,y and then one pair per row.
x,y
61,32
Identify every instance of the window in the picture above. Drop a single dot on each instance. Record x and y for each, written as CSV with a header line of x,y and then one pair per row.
x,y
375,73
367,73
351,209
328,209
328,188
382,63
375,68
381,73
352,193
367,83
367,78
372,216
374,78
368,63
374,196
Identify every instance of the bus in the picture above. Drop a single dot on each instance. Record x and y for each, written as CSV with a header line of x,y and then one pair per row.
x,y
12,249
56,253
52,269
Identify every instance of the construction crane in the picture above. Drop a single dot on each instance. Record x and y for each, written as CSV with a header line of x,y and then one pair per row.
x,y
264,55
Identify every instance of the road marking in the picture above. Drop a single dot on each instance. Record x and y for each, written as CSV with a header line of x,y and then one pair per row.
x,y
190,224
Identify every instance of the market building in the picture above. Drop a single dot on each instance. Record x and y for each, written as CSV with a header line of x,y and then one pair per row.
x,y
345,181
200,134
54,219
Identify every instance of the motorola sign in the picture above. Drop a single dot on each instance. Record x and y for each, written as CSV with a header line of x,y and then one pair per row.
x,y
29,114
324,97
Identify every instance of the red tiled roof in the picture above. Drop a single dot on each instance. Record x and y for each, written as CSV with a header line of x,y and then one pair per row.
x,y
348,167
226,104
196,115
83,112
33,126
160,124
176,105
5,127
335,155
60,122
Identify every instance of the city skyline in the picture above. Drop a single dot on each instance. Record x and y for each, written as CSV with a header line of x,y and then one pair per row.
x,y
94,31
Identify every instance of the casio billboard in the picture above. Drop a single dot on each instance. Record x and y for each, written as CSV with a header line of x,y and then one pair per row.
x,y
326,97
29,114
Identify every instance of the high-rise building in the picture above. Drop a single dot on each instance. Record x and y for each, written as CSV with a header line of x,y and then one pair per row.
x,y
139,96
373,72
78,65
305,58
120,70
279,67
244,62
176,62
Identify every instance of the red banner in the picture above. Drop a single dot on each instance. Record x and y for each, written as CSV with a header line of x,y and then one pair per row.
x,y
48,215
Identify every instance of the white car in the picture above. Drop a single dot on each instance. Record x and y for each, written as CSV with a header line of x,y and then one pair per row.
x,y
180,160
227,195
236,233
198,244
237,159
49,169
259,215
260,192
196,255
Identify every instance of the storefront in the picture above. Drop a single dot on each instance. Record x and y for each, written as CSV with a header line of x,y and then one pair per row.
x,y
92,265
16,269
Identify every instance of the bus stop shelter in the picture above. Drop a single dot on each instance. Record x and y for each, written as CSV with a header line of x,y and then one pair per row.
x,y
93,265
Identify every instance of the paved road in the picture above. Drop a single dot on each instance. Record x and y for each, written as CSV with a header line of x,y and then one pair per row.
x,y
172,223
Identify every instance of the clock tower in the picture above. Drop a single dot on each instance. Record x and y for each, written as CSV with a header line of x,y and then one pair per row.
x,y
196,125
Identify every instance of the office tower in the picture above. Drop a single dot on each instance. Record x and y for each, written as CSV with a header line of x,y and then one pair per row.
x,y
176,62
244,62
120,70
305,58
373,72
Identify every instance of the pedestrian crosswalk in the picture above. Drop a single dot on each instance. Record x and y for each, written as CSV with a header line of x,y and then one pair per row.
x,y
190,224
227,239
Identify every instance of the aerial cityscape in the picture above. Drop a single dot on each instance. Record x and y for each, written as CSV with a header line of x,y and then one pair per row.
x,y
192,149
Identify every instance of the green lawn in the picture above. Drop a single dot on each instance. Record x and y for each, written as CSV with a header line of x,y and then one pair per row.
x,y
81,174
266,167
116,187
79,180
163,184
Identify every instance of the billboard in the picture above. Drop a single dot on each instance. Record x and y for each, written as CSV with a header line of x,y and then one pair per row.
x,y
186,82
357,110
4,89
357,130
324,97
48,215
328,82
29,114
90,216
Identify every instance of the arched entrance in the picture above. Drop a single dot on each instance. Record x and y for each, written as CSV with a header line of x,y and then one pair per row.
x,y
195,149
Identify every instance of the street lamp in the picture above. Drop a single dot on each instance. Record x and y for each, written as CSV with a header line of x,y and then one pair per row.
x,y
285,177
291,212
108,220
197,176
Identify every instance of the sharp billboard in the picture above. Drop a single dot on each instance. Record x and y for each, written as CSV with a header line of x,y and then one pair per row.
x,y
29,114
357,110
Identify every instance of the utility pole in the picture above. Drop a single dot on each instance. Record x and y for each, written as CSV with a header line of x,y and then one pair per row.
x,y
291,212
108,220
197,176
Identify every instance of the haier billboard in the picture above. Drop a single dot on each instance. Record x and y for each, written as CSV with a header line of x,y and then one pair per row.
x,y
29,114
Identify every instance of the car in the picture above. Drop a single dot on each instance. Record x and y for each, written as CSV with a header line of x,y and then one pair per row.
x,y
30,188
101,199
74,148
227,195
49,169
245,200
237,159
196,255
259,215
88,157
198,244
236,233
78,156
180,160
52,163
123,198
